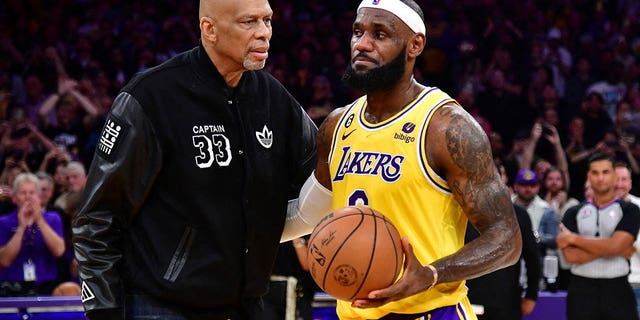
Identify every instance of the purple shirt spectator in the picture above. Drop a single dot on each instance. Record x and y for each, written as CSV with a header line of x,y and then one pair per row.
x,y
33,247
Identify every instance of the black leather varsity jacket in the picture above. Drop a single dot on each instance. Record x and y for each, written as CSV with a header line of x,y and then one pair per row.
x,y
186,196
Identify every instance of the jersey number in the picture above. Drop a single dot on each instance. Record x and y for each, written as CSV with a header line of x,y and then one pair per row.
x,y
358,198
215,149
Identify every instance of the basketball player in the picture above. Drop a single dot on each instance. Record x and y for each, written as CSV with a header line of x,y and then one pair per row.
x,y
186,197
414,154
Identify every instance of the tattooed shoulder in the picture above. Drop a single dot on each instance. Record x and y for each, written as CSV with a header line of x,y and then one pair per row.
x,y
467,144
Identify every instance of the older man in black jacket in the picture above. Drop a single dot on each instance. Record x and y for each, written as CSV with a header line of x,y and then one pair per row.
x,y
187,195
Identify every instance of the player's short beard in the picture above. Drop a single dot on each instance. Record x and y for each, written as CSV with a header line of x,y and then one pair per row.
x,y
380,78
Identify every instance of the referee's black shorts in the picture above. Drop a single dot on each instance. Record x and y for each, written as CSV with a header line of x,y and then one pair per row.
x,y
600,299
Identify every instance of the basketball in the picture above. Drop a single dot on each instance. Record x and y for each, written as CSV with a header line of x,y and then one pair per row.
x,y
353,251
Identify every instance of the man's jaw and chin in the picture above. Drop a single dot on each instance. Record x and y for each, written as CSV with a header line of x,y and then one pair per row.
x,y
256,58
375,79
252,63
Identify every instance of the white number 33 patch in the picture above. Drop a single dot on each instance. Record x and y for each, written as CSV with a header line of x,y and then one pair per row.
x,y
212,149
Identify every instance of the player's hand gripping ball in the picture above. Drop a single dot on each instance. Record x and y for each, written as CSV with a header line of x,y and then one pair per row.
x,y
353,251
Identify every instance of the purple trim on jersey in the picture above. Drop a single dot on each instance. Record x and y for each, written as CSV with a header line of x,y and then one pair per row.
x,y
421,146
361,115
461,310
447,313
443,313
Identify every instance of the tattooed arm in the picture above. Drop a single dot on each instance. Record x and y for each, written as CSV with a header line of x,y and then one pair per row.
x,y
465,160
459,150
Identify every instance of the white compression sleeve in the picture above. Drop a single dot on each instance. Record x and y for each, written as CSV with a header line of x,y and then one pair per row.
x,y
313,203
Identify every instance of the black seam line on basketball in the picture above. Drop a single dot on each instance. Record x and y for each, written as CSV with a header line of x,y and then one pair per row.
x,y
373,251
324,278
395,261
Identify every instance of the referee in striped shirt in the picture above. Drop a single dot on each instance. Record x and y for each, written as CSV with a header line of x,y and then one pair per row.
x,y
597,237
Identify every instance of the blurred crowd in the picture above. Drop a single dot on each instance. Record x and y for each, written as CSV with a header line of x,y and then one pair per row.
x,y
551,82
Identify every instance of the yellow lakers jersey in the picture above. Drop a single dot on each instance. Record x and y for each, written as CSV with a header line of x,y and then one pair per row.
x,y
384,166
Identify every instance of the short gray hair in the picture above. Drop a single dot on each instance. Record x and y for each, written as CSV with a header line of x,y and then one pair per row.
x,y
26,177
76,166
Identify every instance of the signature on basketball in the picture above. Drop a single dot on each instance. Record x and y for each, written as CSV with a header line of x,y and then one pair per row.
x,y
328,239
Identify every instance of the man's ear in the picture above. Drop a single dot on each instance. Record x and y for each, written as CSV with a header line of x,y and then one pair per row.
x,y
416,45
208,29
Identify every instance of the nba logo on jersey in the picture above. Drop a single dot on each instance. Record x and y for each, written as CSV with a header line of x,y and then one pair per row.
x,y
375,2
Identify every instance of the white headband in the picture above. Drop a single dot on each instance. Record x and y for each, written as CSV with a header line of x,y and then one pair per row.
x,y
409,16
